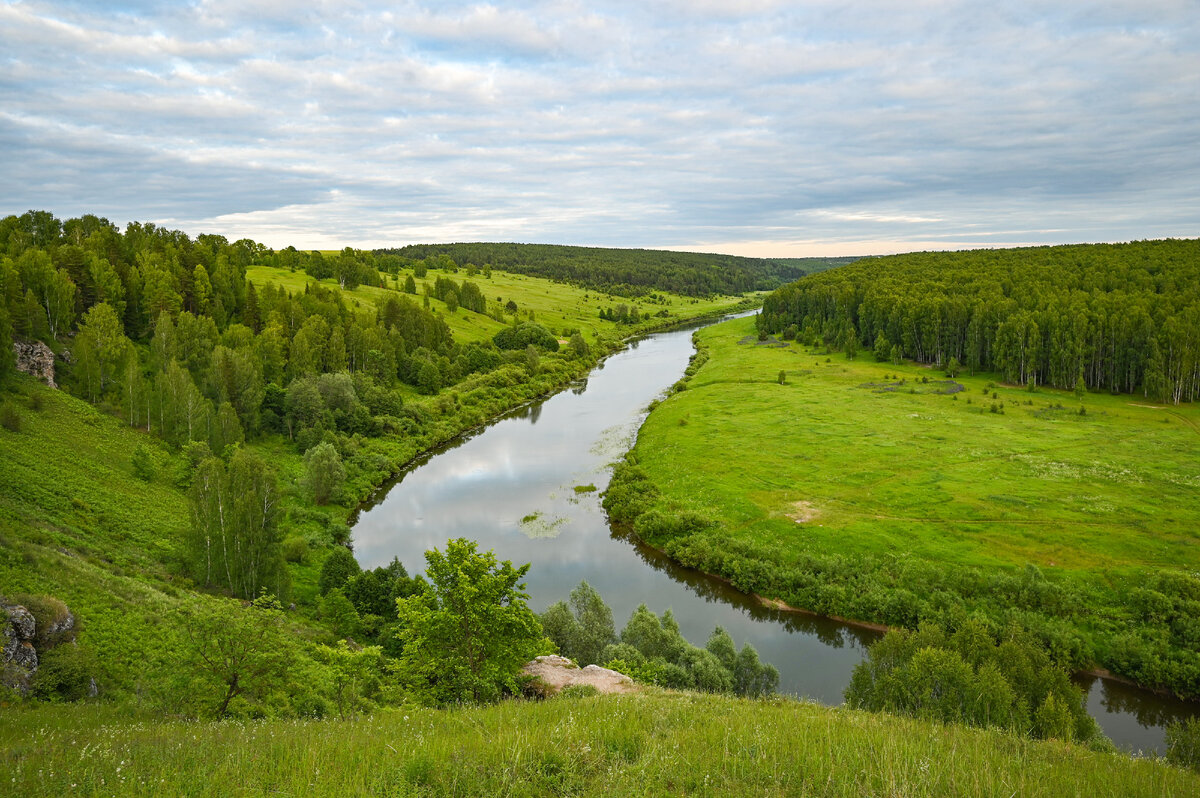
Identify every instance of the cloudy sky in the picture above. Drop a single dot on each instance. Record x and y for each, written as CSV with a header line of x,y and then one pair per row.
x,y
756,127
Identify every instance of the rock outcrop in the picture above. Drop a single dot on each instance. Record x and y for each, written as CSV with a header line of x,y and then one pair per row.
x,y
37,359
551,674
19,660
23,637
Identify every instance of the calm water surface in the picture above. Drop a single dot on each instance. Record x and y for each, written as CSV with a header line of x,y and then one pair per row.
x,y
511,487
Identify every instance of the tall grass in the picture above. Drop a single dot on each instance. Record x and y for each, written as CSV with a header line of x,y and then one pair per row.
x,y
658,744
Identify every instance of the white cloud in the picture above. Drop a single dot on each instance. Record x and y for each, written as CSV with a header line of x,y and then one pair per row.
x,y
609,123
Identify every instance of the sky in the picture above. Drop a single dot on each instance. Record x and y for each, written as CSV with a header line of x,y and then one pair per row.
x,y
756,128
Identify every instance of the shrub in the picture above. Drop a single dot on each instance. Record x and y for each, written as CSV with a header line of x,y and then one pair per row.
x,y
143,466
1183,743
10,419
337,569
579,691
295,550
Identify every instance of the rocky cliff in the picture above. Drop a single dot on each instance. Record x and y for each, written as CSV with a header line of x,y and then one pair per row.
x,y
37,359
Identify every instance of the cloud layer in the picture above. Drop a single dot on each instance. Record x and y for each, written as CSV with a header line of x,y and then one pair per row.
x,y
756,127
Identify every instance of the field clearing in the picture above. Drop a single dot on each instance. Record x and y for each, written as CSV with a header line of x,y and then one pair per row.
x,y
556,306
654,744
859,456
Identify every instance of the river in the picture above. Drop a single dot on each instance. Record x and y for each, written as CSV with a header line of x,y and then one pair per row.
x,y
511,487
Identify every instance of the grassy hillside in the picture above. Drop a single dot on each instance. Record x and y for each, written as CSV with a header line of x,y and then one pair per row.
x,y
555,305
77,524
873,491
665,744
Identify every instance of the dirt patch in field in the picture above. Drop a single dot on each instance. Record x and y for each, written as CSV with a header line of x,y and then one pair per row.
x,y
803,512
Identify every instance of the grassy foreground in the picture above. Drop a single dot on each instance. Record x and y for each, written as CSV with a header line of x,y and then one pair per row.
x,y
661,744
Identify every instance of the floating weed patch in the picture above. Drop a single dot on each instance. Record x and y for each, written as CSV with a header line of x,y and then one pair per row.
x,y
536,526
585,489
614,441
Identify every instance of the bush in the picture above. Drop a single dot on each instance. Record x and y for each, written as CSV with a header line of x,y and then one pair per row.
x,y
10,419
337,569
1183,743
64,674
295,550
143,466
579,691
524,335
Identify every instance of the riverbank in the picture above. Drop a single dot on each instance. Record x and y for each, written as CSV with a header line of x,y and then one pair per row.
x,y
867,492
424,448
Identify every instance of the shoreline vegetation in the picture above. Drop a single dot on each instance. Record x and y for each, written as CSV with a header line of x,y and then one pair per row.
x,y
716,533
780,605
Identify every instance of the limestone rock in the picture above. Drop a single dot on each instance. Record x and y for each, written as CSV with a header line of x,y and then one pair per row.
x,y
37,359
18,662
553,673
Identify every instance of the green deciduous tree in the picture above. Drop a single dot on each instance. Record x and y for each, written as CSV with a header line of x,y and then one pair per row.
x,y
339,613
582,629
324,472
468,633
234,540
337,569
239,650
101,348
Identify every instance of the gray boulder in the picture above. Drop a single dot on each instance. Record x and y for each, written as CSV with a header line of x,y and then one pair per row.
x,y
19,661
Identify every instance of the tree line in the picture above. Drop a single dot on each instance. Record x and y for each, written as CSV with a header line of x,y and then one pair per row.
x,y
1112,317
624,272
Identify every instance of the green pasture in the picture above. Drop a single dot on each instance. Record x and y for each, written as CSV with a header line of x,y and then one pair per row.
x,y
856,456
557,306
653,744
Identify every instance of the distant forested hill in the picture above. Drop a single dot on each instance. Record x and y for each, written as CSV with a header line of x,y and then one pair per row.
x,y
1118,317
629,272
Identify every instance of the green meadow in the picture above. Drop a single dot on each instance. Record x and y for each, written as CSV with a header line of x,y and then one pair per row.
x,y
651,744
858,456
556,306
893,494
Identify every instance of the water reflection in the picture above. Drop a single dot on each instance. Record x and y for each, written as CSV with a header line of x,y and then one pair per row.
x,y
512,487
829,632
1133,718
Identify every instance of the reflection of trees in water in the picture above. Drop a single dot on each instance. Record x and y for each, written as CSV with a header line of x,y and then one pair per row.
x,y
578,388
531,411
1149,709
829,632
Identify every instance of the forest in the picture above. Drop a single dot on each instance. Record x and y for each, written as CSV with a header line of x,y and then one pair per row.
x,y
1107,317
628,272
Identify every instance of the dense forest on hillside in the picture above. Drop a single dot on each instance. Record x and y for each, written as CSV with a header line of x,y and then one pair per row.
x,y
1112,317
629,272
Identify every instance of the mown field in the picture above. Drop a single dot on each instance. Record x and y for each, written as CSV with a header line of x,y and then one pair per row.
x,y
855,456
656,744
891,494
